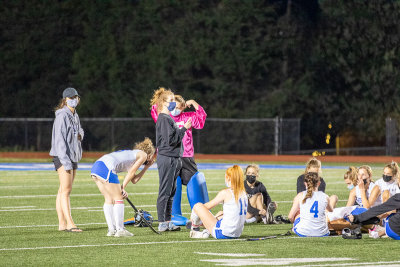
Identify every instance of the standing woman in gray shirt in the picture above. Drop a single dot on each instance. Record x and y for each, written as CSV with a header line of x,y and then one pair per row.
x,y
66,150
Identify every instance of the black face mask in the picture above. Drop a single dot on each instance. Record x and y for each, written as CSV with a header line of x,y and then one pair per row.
x,y
365,181
145,163
387,178
251,178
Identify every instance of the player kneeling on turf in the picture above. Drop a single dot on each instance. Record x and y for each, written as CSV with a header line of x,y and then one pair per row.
x,y
104,173
308,210
234,201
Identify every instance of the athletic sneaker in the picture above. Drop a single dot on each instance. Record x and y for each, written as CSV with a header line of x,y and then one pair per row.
x,y
123,233
198,234
163,226
374,231
111,233
251,220
173,227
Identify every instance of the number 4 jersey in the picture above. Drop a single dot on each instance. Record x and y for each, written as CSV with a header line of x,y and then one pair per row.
x,y
312,215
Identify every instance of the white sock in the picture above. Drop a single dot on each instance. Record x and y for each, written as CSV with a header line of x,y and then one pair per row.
x,y
119,214
108,213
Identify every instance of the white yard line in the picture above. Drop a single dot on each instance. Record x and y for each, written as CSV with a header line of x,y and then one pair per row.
x,y
125,244
37,226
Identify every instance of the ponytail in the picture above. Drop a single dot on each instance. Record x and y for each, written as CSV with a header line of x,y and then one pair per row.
x,y
160,95
235,173
311,179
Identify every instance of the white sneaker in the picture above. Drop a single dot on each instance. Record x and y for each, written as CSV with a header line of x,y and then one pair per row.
x,y
198,234
251,220
111,233
123,232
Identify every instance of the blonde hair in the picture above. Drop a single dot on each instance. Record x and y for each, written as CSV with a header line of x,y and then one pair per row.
x,y
235,173
61,104
368,169
313,162
180,101
146,146
255,167
311,179
351,174
160,95
395,168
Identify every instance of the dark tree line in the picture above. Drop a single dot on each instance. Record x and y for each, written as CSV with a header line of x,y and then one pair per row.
x,y
322,61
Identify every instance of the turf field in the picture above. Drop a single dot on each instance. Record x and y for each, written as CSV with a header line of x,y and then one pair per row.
x,y
29,236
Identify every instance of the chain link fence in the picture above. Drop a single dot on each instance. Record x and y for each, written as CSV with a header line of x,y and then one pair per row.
x,y
219,136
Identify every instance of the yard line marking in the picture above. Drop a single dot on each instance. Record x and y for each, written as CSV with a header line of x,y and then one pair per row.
x,y
17,207
273,261
372,264
124,244
77,195
230,254
49,225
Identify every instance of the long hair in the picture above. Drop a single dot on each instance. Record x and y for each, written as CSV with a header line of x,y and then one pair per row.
x,y
395,169
237,182
351,174
146,146
160,95
311,179
61,104
368,169
313,162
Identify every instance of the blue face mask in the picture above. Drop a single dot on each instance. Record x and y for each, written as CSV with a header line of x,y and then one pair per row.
x,y
351,186
171,106
175,112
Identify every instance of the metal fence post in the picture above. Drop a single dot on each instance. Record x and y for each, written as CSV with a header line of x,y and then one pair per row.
x,y
276,135
112,134
26,133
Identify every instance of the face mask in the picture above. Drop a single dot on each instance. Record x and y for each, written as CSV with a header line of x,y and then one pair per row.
x,y
175,112
72,102
251,178
387,178
146,162
350,186
365,181
228,184
171,106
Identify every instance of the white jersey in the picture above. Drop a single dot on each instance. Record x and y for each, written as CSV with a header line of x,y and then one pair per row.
x,y
378,201
119,161
232,223
391,186
312,215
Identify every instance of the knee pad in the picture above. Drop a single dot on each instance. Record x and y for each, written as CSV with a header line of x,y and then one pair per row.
x,y
197,189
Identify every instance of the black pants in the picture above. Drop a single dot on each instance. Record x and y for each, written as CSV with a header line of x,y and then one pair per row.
x,y
393,203
168,171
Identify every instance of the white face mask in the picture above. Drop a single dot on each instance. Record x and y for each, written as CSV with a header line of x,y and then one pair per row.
x,y
175,112
227,183
72,102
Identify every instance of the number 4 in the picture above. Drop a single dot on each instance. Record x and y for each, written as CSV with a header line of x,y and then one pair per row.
x,y
314,209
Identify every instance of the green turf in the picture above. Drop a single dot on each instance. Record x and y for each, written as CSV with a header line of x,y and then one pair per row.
x,y
28,199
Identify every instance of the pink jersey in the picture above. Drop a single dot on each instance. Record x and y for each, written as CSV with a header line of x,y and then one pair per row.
x,y
198,120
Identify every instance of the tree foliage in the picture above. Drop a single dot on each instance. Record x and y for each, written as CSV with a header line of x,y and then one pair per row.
x,y
327,61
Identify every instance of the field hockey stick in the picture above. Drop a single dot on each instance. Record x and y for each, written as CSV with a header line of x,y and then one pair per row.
x,y
141,215
288,233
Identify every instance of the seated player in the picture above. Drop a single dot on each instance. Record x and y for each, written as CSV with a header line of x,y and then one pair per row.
x,y
387,185
391,223
260,204
308,210
312,165
359,195
234,201
350,177
104,173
